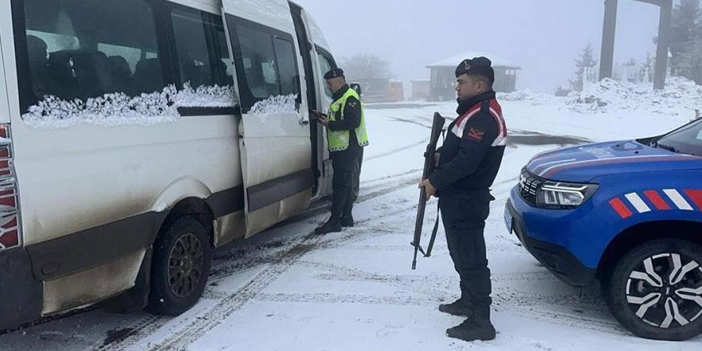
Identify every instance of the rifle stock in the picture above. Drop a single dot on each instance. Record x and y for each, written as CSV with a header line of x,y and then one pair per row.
x,y
429,165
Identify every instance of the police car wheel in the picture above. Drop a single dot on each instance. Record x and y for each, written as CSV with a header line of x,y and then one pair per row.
x,y
180,266
655,290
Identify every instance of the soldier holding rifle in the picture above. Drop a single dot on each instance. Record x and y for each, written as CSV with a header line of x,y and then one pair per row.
x,y
468,164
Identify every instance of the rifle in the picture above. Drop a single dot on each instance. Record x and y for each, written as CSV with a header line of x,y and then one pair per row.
x,y
429,165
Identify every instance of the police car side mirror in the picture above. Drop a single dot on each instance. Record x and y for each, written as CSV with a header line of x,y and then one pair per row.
x,y
356,87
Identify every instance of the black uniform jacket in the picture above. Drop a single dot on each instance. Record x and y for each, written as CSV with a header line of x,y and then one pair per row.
x,y
473,149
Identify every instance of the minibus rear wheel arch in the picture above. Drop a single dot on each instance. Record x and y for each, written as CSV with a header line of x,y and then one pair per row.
x,y
194,207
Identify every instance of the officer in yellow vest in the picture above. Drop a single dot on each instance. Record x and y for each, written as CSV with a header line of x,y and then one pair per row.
x,y
346,136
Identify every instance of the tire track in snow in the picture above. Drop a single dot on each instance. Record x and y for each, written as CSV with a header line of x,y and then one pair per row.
x,y
145,327
240,261
219,313
390,177
49,319
527,312
410,121
279,263
436,289
525,304
248,257
230,304
398,150
361,234
347,298
236,300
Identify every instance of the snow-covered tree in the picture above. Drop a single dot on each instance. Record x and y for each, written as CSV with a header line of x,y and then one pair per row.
x,y
690,62
646,72
686,28
586,62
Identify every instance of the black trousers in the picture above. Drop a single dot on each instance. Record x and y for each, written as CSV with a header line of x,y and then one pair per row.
x,y
342,185
464,221
357,176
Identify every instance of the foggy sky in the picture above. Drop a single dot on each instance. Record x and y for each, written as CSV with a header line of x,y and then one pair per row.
x,y
543,36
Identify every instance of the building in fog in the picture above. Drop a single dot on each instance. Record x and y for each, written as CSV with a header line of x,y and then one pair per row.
x,y
380,89
443,75
421,89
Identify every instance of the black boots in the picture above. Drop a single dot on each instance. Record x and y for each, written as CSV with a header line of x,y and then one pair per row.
x,y
347,222
332,226
457,308
472,330
477,325
335,226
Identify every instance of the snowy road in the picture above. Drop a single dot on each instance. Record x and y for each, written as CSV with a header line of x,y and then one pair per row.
x,y
289,290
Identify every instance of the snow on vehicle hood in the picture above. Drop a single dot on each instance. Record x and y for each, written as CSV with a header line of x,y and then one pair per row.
x,y
584,163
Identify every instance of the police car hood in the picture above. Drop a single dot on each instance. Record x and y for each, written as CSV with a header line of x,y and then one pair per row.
x,y
584,163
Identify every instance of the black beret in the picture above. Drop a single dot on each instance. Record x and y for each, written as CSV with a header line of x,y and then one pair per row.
x,y
476,66
334,73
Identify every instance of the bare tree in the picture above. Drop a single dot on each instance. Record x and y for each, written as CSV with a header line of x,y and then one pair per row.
x,y
366,67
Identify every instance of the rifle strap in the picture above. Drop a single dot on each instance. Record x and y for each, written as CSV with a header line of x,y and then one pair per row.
x,y
435,231
485,108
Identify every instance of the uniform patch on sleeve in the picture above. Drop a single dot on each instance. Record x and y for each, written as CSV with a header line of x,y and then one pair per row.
x,y
353,103
475,134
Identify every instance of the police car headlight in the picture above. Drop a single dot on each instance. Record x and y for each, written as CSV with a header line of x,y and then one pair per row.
x,y
556,195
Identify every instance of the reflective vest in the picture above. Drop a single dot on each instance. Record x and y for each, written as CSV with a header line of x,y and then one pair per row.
x,y
339,140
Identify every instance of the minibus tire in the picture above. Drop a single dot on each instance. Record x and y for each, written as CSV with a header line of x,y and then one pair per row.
x,y
183,249
652,289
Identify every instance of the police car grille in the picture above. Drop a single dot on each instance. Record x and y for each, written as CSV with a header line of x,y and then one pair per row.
x,y
528,185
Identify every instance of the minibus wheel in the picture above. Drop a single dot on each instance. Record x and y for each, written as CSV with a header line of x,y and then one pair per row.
x,y
181,263
655,290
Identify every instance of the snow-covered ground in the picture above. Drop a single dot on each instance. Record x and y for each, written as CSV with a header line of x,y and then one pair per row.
x,y
289,290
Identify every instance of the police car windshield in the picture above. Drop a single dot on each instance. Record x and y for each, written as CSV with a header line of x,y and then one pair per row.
x,y
686,140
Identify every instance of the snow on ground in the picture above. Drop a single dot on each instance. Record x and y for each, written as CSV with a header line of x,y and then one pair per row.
x,y
289,290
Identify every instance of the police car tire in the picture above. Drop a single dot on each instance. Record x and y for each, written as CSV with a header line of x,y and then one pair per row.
x,y
615,295
162,299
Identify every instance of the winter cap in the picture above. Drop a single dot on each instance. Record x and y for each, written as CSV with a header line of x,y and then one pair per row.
x,y
334,73
476,66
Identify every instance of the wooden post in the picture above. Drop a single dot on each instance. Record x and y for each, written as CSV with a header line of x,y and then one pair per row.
x,y
608,34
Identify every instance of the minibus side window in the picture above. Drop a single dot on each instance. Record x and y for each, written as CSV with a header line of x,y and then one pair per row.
x,y
258,60
326,63
82,49
287,66
202,53
266,63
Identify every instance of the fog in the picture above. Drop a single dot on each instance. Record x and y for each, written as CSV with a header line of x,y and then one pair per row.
x,y
543,36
